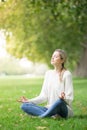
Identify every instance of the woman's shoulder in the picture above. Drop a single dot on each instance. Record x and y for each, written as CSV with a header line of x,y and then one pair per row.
x,y
67,73
49,72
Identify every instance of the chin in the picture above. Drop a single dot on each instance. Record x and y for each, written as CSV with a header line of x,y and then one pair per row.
x,y
52,63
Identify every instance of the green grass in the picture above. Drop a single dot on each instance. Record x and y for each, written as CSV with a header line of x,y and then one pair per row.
x,y
13,118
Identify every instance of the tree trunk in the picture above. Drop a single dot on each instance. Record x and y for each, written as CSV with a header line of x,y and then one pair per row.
x,y
81,69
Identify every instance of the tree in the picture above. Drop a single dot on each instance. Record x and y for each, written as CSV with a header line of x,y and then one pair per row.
x,y
41,26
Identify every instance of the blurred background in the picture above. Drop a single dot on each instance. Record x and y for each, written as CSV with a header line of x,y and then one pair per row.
x,y
30,30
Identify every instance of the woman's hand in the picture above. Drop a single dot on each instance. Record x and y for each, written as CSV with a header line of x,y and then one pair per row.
x,y
23,100
62,96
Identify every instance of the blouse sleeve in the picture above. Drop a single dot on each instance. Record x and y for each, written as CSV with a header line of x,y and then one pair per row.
x,y
42,96
68,88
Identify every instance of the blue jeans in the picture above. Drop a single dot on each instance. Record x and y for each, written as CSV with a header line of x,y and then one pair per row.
x,y
59,107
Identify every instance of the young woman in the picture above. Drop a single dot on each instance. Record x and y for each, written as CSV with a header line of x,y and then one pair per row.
x,y
57,91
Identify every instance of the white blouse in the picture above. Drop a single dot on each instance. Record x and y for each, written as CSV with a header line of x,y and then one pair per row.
x,y
53,87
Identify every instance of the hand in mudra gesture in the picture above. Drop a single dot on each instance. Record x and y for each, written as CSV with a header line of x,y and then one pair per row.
x,y
23,99
62,96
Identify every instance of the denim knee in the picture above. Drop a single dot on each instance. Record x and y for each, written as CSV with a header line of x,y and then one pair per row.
x,y
26,106
23,106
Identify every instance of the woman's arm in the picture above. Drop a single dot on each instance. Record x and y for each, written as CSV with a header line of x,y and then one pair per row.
x,y
43,95
68,87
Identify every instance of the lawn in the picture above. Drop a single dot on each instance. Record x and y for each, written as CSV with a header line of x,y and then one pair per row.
x,y
13,118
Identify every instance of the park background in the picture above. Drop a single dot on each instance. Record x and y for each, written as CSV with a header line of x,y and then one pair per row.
x,y
30,30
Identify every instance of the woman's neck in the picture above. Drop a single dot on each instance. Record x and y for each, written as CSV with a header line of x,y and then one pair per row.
x,y
59,69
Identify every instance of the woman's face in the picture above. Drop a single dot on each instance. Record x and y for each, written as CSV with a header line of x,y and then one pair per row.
x,y
56,59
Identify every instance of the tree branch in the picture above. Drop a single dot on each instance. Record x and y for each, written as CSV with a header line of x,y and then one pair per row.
x,y
84,45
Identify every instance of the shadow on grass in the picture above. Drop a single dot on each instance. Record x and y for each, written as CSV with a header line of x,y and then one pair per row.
x,y
80,116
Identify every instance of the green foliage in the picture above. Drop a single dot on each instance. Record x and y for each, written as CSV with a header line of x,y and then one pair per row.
x,y
41,26
13,118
